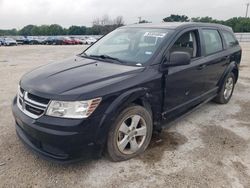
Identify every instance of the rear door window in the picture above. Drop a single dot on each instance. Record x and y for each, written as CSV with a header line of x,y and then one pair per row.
x,y
230,40
212,41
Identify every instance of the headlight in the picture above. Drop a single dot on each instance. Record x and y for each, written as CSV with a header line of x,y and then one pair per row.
x,y
74,109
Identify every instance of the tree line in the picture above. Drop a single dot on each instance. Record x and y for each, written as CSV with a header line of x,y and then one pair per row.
x,y
105,24
100,26
238,24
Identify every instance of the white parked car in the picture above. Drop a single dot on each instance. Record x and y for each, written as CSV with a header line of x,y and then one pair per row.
x,y
9,42
90,40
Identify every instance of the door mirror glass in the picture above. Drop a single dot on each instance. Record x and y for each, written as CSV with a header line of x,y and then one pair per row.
x,y
179,58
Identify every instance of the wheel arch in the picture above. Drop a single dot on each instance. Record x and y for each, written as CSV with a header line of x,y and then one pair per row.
x,y
236,73
142,101
139,96
232,67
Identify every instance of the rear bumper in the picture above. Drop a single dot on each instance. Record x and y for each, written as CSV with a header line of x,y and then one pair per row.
x,y
57,139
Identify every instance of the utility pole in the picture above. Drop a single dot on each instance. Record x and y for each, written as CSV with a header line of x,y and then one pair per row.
x,y
139,19
247,10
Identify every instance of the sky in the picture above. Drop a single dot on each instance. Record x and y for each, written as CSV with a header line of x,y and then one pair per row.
x,y
18,13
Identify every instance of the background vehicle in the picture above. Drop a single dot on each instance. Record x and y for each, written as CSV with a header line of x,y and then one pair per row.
x,y
20,39
9,42
31,40
68,41
77,40
40,40
35,40
60,40
90,40
57,40
50,40
130,83
54,40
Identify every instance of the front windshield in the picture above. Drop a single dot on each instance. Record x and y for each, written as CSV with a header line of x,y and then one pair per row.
x,y
131,45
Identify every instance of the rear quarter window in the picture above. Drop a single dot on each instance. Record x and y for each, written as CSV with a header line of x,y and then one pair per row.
x,y
230,39
212,41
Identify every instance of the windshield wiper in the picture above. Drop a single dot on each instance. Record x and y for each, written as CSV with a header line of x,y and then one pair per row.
x,y
107,57
83,54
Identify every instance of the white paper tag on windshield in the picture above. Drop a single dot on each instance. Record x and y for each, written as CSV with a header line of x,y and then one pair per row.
x,y
148,53
155,34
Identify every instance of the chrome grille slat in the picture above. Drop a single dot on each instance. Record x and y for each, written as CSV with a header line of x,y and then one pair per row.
x,y
27,103
20,91
32,101
34,106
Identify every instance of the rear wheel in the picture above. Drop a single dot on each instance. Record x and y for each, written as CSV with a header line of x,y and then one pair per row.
x,y
226,92
130,134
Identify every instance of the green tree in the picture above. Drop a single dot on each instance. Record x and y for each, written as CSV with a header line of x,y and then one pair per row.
x,y
35,31
55,29
44,30
238,24
242,24
176,18
27,30
8,32
206,19
77,30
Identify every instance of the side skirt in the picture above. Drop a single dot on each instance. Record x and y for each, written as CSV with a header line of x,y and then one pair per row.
x,y
170,117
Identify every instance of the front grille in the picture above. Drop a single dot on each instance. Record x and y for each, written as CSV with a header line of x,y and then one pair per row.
x,y
33,110
32,105
38,99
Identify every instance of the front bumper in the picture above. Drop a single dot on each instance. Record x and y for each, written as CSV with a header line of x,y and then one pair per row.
x,y
58,139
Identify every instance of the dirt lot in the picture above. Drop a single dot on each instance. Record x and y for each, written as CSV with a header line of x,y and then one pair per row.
x,y
208,148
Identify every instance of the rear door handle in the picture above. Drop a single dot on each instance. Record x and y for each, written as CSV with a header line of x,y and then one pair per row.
x,y
226,57
200,67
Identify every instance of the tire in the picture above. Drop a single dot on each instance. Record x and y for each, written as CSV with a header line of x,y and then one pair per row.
x,y
133,138
226,91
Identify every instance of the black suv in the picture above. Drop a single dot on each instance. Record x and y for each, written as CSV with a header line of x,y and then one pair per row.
x,y
131,82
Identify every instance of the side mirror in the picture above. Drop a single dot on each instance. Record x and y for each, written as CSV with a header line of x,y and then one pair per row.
x,y
178,59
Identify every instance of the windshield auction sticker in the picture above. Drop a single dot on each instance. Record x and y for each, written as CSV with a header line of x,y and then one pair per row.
x,y
155,34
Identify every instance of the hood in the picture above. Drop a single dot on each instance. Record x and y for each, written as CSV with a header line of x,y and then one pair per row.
x,y
74,77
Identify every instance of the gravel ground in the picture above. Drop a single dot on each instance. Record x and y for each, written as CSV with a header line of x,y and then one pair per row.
x,y
208,148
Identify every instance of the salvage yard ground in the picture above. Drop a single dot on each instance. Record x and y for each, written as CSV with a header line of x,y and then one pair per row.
x,y
208,148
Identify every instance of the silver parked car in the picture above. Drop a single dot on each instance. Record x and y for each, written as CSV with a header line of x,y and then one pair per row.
x,y
9,42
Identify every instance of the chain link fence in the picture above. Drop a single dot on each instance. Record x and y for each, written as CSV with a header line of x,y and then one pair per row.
x,y
243,37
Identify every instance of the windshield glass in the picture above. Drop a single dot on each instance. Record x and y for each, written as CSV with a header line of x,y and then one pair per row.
x,y
131,45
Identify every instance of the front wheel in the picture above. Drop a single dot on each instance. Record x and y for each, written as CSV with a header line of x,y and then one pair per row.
x,y
226,92
130,134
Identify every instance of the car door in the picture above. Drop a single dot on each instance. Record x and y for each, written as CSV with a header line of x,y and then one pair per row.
x,y
184,84
215,58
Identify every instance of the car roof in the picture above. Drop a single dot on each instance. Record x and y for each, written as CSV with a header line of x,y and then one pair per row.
x,y
177,25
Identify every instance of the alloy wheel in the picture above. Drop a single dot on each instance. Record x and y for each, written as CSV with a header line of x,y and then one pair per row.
x,y
131,134
228,88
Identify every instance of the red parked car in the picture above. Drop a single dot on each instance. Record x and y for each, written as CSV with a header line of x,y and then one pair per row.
x,y
76,40
68,41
